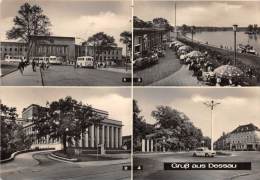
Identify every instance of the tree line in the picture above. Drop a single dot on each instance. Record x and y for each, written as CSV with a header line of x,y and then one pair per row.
x,y
173,129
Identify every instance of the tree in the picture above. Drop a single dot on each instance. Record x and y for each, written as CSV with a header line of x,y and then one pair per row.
x,y
101,42
250,28
126,38
176,128
8,127
140,128
29,22
65,119
162,23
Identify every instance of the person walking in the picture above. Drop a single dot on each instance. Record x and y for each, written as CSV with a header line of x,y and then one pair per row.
x,y
33,66
20,67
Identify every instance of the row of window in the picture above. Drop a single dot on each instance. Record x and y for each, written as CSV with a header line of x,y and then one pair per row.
x,y
11,49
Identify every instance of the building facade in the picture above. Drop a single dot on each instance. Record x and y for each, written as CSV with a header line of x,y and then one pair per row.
x,y
107,134
44,46
145,39
244,137
107,55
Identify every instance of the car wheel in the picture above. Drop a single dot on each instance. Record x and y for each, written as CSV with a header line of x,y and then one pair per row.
x,y
206,155
194,155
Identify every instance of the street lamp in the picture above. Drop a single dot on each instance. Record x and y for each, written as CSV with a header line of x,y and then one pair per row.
x,y
211,104
192,31
235,43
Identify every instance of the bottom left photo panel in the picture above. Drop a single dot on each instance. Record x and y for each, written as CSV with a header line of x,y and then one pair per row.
x,y
65,133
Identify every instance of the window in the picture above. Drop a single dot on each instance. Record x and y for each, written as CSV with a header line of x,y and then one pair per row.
x,y
10,49
15,49
5,49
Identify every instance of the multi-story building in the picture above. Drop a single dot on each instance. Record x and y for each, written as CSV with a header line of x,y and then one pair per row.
x,y
244,137
44,46
108,133
113,54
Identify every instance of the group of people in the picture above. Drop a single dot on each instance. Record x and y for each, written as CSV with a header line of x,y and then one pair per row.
x,y
43,65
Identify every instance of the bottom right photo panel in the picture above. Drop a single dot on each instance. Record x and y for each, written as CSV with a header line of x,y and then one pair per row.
x,y
196,133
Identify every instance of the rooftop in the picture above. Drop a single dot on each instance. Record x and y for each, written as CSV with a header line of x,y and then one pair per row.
x,y
246,128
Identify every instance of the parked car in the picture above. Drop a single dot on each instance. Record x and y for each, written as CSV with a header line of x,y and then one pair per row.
x,y
203,151
138,63
161,53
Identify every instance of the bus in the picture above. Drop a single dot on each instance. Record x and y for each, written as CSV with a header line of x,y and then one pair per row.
x,y
55,60
9,58
85,61
40,60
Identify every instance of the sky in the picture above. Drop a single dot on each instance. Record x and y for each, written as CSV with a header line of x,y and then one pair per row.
x,y
203,13
76,18
117,101
239,106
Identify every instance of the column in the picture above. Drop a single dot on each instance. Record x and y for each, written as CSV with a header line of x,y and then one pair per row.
x,y
143,145
107,127
103,134
120,137
147,145
116,137
92,135
97,135
112,137
163,144
151,145
86,138
80,140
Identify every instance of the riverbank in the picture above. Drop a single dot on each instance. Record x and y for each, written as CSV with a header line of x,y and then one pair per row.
x,y
220,56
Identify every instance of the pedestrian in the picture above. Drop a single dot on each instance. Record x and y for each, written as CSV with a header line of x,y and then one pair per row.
x,y
33,66
20,67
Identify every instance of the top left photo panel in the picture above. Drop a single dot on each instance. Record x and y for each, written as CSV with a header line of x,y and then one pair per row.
x,y
65,43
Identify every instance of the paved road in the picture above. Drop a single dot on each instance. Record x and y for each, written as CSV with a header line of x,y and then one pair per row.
x,y
166,66
25,167
153,167
183,77
65,76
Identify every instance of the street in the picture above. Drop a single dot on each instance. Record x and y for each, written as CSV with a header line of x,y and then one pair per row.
x,y
38,166
168,72
153,167
65,76
167,66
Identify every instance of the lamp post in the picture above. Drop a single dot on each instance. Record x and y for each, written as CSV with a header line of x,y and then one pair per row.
x,y
235,43
211,104
192,31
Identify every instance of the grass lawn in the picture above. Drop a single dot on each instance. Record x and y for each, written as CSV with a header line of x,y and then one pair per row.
x,y
8,67
85,157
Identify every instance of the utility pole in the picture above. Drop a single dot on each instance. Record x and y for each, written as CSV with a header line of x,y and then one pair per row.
x,y
211,104
175,20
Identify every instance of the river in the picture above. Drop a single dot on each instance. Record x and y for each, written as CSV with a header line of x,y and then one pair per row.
x,y
226,39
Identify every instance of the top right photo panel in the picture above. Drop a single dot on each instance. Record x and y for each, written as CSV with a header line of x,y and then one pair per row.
x,y
196,43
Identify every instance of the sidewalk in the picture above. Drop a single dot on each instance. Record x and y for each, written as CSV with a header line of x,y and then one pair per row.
x,y
183,77
29,78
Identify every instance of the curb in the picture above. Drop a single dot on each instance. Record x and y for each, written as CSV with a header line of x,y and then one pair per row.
x,y
20,152
62,158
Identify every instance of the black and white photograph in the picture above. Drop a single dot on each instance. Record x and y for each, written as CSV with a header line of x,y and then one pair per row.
x,y
65,43
181,125
196,43
65,133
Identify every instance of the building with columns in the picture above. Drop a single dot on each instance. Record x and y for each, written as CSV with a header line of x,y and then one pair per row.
x,y
107,134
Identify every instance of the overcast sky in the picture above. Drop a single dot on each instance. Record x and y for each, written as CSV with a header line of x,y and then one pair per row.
x,y
117,101
203,13
238,106
81,18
